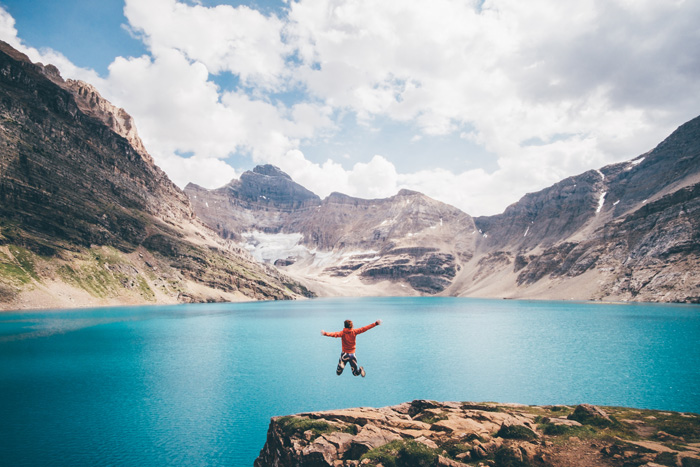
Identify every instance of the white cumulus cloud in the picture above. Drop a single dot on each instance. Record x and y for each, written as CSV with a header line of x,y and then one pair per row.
x,y
548,89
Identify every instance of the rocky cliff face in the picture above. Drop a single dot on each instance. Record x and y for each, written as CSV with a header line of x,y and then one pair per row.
x,y
413,243
265,199
452,434
87,217
629,230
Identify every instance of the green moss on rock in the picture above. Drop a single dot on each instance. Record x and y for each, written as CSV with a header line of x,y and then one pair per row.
x,y
516,432
402,453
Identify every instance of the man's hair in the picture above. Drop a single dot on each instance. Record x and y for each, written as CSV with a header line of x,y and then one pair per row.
x,y
348,324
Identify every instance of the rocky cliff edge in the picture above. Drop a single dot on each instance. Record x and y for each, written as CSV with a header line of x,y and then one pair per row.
x,y
428,433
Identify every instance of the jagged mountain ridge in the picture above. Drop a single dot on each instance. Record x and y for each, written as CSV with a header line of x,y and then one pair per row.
x,y
86,217
612,192
628,231
632,228
409,242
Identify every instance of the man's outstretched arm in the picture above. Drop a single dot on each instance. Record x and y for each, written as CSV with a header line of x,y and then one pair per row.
x,y
368,327
331,334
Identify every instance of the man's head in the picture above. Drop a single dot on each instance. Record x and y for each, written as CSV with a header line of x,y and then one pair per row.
x,y
348,324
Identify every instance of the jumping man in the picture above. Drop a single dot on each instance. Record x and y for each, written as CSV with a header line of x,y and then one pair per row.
x,y
348,335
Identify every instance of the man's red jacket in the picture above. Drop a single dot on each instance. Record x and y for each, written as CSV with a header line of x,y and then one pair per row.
x,y
348,336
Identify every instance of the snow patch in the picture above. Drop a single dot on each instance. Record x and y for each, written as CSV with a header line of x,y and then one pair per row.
x,y
322,258
634,163
601,201
268,248
436,225
602,175
207,203
526,231
359,253
615,203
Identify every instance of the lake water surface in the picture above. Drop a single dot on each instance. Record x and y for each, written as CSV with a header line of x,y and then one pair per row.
x,y
197,384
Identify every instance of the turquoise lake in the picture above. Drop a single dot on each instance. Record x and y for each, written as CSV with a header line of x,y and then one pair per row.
x,y
197,384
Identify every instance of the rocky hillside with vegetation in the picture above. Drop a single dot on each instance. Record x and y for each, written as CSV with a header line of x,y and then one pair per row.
x,y
87,218
629,231
453,434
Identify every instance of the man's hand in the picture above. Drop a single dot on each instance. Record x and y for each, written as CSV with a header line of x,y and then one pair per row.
x,y
323,333
379,321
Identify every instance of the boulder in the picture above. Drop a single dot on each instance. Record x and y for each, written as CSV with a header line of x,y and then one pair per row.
x,y
588,414
319,453
561,421
370,437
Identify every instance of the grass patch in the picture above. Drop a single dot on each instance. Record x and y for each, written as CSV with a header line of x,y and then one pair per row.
x,y
89,278
453,448
402,453
666,458
13,273
105,273
483,407
144,289
17,269
291,425
506,457
687,427
550,429
516,432
431,418
25,259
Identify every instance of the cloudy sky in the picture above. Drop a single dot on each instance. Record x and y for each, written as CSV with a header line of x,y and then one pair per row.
x,y
472,102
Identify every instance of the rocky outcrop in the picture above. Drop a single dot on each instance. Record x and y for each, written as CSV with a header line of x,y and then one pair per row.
x,y
91,103
429,433
78,187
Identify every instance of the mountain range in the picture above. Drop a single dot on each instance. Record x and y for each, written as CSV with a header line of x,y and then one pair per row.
x,y
628,231
87,218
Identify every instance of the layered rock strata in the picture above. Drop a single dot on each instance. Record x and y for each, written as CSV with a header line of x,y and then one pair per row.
x,y
629,231
453,434
87,218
